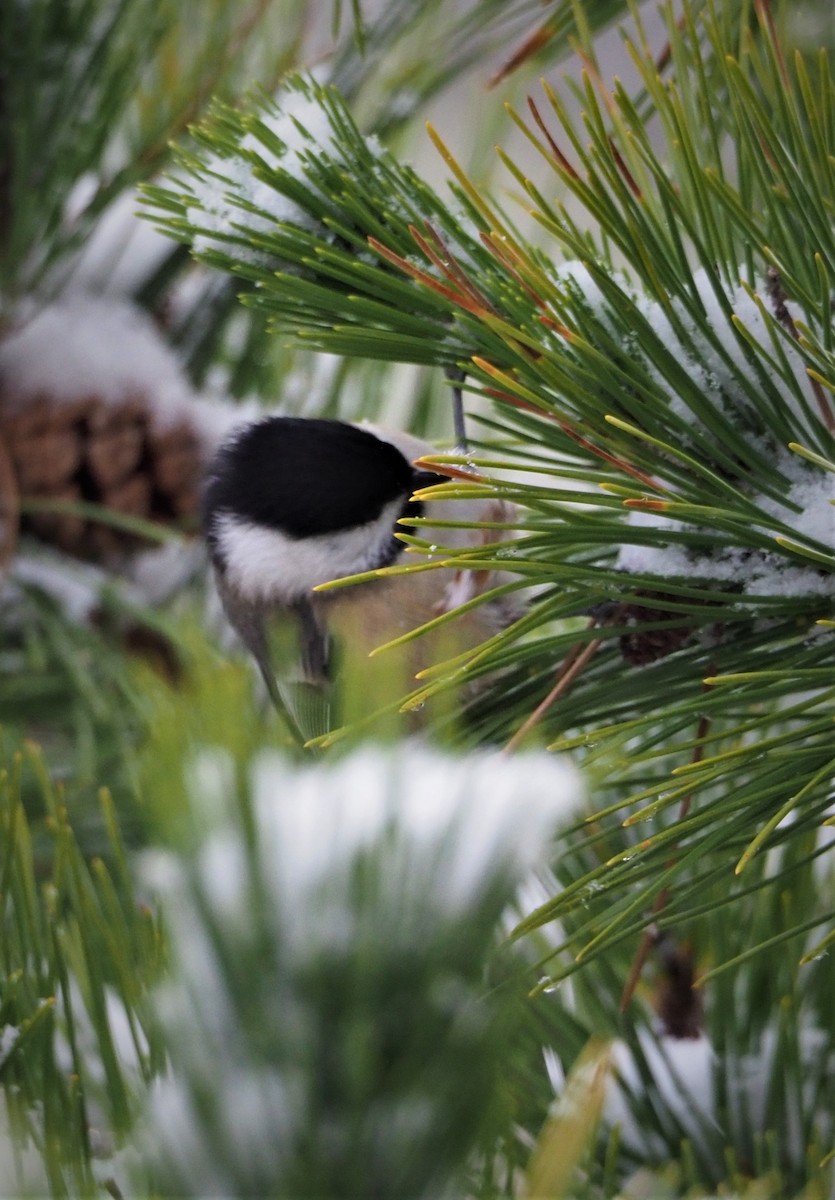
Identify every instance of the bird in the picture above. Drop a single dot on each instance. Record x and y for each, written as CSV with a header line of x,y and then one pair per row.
x,y
292,503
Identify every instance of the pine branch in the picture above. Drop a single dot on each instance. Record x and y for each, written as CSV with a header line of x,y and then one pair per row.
x,y
77,956
688,371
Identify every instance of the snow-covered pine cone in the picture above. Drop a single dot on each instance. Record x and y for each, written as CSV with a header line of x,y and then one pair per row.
x,y
94,407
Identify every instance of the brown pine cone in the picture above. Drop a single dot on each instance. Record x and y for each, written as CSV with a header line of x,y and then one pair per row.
x,y
678,1001
112,454
94,408
647,646
9,508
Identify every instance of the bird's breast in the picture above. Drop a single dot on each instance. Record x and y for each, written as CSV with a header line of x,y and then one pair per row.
x,y
268,566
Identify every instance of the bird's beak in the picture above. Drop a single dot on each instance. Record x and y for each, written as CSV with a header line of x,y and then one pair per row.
x,y
426,479
433,472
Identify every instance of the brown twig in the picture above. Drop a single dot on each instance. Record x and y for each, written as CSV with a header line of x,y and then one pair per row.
x,y
570,667
649,935
9,507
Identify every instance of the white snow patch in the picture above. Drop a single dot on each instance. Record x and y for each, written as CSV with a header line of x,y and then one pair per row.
x,y
457,821
577,276
8,1037
76,586
813,490
301,125
689,1081
760,573
374,857
175,1132
127,1037
717,369
756,573
158,573
717,366
79,588
210,778
682,1071
83,346
444,829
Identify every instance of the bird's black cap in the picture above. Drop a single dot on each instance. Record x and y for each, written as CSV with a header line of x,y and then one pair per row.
x,y
306,477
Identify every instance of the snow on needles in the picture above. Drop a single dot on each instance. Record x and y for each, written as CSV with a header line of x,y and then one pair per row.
x,y
721,367
460,822
444,829
757,572
228,193
710,1096
341,922
710,347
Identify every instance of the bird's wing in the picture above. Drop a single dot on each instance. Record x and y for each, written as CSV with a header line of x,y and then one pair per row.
x,y
314,643
304,705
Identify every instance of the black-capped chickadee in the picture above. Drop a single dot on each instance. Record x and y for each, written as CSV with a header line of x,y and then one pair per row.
x,y
292,503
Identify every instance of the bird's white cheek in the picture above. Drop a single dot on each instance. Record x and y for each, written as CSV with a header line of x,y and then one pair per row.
x,y
267,565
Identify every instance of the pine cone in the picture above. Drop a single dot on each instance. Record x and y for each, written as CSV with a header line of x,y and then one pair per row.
x,y
647,646
94,408
111,454
9,508
678,1002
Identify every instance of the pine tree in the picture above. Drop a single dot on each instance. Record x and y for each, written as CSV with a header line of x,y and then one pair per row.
x,y
646,351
